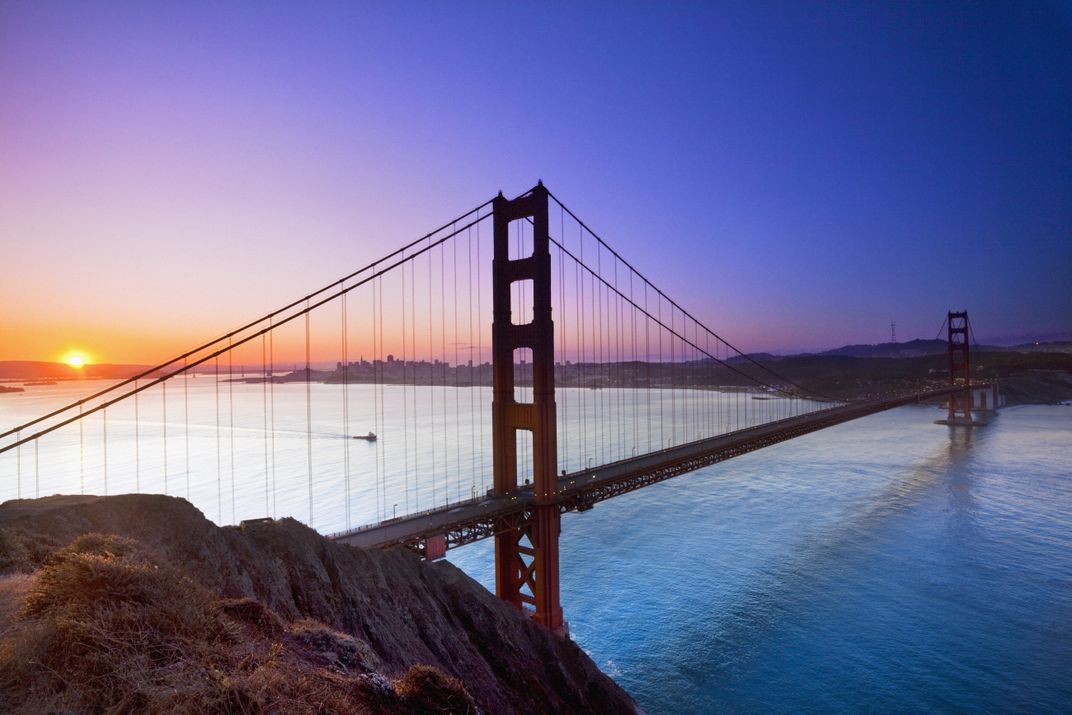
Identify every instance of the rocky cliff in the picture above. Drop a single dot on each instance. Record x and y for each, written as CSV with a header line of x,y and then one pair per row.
x,y
138,603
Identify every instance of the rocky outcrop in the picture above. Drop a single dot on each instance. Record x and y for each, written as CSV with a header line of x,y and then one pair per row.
x,y
397,610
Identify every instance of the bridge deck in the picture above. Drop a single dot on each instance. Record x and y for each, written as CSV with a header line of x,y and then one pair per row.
x,y
471,520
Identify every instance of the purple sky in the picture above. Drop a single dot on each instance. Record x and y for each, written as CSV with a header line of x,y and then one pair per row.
x,y
796,174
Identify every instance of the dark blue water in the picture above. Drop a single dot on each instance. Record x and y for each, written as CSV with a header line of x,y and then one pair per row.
x,y
884,565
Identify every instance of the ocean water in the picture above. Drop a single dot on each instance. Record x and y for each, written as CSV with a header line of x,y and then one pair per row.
x,y
884,565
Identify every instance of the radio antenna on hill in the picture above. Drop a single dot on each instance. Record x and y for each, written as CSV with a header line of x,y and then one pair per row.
x,y
893,331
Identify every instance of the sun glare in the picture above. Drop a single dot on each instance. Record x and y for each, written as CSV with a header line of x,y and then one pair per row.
x,y
76,360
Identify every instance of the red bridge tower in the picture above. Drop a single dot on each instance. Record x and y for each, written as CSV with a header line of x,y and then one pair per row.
x,y
957,349
526,548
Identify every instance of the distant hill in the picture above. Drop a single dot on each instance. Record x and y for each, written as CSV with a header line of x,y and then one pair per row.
x,y
919,348
37,369
913,348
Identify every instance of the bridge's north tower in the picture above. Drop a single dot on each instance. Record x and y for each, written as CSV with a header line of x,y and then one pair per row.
x,y
526,548
959,357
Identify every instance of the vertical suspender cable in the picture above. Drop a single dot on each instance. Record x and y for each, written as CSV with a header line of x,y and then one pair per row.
x,y
104,430
431,381
186,420
264,414
472,388
578,282
219,470
163,399
597,288
230,421
663,438
377,376
413,344
345,404
456,371
480,359
564,461
137,443
271,406
443,365
381,444
309,413
673,380
81,454
647,362
405,399
632,321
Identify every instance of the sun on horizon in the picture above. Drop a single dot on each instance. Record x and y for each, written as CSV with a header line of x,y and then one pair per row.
x,y
76,359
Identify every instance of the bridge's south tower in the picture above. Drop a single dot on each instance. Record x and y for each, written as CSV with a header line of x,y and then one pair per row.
x,y
526,549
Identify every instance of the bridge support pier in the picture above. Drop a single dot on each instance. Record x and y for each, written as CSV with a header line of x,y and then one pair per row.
x,y
526,551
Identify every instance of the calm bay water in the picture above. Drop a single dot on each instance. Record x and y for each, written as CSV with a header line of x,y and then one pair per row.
x,y
885,565
888,564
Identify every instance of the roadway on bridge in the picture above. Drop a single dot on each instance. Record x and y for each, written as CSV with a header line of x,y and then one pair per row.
x,y
463,522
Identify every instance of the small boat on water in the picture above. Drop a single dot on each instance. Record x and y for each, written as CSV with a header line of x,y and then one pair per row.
x,y
370,437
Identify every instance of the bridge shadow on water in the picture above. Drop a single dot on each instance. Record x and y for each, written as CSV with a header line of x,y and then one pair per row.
x,y
718,647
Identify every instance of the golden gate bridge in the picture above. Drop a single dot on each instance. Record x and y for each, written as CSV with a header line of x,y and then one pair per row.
x,y
589,382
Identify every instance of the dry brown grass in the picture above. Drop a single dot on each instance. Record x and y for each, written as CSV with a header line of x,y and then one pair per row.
x,y
427,690
15,556
104,627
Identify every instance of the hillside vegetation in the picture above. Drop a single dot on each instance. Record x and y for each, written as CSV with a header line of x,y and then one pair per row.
x,y
137,603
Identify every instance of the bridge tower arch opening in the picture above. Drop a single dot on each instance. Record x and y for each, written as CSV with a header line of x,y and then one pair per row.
x,y
526,548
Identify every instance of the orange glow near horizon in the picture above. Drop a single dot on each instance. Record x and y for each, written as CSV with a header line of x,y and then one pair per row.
x,y
76,359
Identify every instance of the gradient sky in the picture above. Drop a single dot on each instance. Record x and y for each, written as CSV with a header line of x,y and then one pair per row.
x,y
799,173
